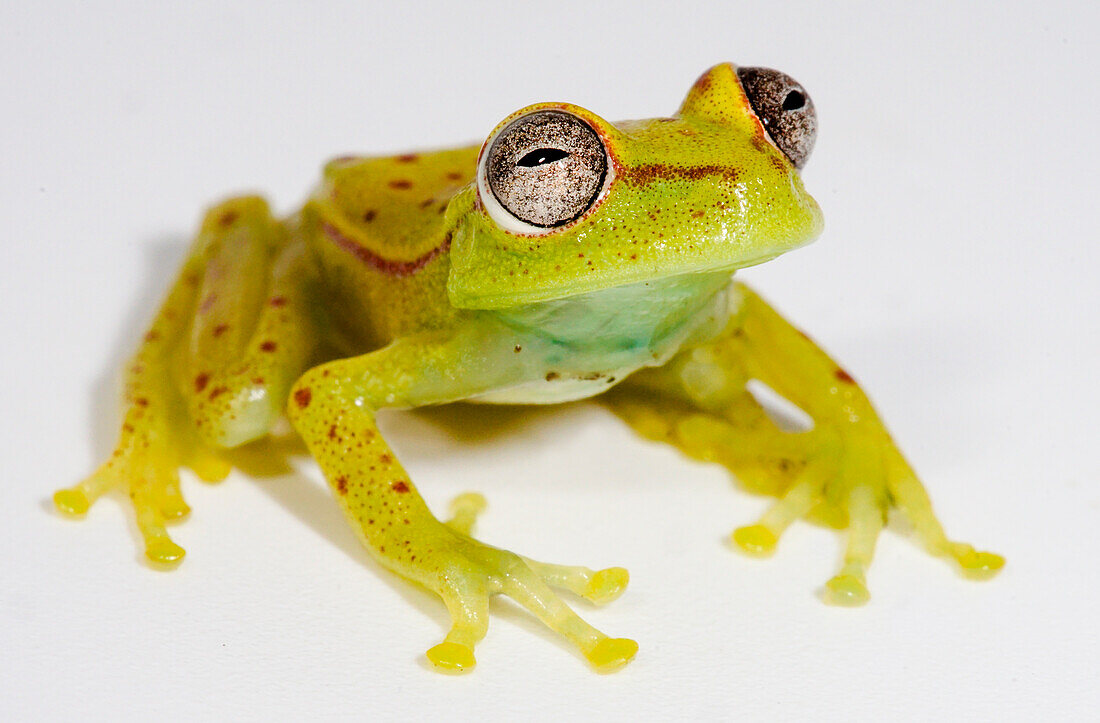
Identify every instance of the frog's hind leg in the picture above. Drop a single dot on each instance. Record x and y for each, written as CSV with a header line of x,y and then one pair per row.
x,y
168,423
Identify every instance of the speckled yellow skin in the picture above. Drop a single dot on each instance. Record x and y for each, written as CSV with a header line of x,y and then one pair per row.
x,y
393,287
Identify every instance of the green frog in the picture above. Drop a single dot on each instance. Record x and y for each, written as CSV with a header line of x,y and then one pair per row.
x,y
563,258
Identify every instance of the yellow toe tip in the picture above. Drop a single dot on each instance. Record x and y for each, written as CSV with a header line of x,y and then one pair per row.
x,y
175,510
981,565
164,552
472,501
610,654
452,658
71,502
846,591
606,585
755,540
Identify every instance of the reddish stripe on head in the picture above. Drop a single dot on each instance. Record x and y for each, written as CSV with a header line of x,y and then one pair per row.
x,y
376,262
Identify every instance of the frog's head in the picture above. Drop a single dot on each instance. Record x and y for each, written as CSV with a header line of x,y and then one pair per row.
x,y
567,203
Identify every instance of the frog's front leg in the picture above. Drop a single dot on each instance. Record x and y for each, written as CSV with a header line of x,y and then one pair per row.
x,y
333,407
846,470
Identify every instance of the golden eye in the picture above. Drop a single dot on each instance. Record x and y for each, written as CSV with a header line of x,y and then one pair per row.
x,y
546,168
784,109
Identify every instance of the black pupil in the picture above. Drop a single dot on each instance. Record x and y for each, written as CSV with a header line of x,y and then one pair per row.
x,y
793,101
542,156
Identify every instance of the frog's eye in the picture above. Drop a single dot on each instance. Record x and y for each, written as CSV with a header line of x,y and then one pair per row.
x,y
785,109
541,171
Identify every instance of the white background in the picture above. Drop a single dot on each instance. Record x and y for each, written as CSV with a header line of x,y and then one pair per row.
x,y
957,279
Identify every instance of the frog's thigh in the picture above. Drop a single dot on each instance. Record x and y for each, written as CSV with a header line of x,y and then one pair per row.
x,y
251,335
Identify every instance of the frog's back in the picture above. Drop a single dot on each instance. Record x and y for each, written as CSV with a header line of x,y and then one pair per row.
x,y
377,228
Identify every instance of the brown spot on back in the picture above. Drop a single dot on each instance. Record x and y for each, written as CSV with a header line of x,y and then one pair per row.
x,y
369,215
152,335
400,487
269,346
200,381
401,184
551,376
302,397
228,218
277,301
385,459
332,432
217,392
221,329
454,176
407,158
844,376
141,402
342,484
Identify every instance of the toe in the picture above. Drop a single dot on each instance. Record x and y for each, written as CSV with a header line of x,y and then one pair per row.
x,y
451,657
846,591
610,654
755,540
606,585
980,565
71,501
163,551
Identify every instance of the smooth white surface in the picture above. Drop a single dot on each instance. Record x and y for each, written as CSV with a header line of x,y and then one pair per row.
x,y
957,279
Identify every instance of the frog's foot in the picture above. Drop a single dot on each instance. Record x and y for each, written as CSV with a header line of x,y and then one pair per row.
x,y
151,480
839,477
853,482
474,571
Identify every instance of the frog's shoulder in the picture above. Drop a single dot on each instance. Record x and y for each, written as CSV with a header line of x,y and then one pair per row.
x,y
391,205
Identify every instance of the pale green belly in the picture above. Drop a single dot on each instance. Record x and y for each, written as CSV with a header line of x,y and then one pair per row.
x,y
587,344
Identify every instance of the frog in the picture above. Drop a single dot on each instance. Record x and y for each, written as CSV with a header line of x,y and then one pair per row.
x,y
564,258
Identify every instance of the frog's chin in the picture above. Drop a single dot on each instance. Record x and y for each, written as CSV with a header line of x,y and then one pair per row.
x,y
679,279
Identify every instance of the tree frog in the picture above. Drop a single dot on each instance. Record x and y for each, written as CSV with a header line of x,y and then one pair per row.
x,y
563,258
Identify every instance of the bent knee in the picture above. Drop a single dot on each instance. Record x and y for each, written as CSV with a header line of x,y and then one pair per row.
x,y
228,411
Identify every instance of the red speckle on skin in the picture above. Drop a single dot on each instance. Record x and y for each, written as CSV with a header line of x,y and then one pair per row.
x,y
228,218
201,381
385,459
217,392
399,487
141,402
257,380
662,171
698,214
454,176
332,432
844,376
407,158
221,329
368,216
400,184
342,484
268,346
302,397
152,336
277,301
383,265
427,202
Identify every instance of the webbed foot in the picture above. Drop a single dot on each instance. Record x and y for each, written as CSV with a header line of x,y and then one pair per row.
x,y
473,571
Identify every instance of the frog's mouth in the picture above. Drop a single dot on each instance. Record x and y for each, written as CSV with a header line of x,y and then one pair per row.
x,y
488,273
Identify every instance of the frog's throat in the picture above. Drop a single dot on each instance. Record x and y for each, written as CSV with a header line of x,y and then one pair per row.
x,y
627,321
